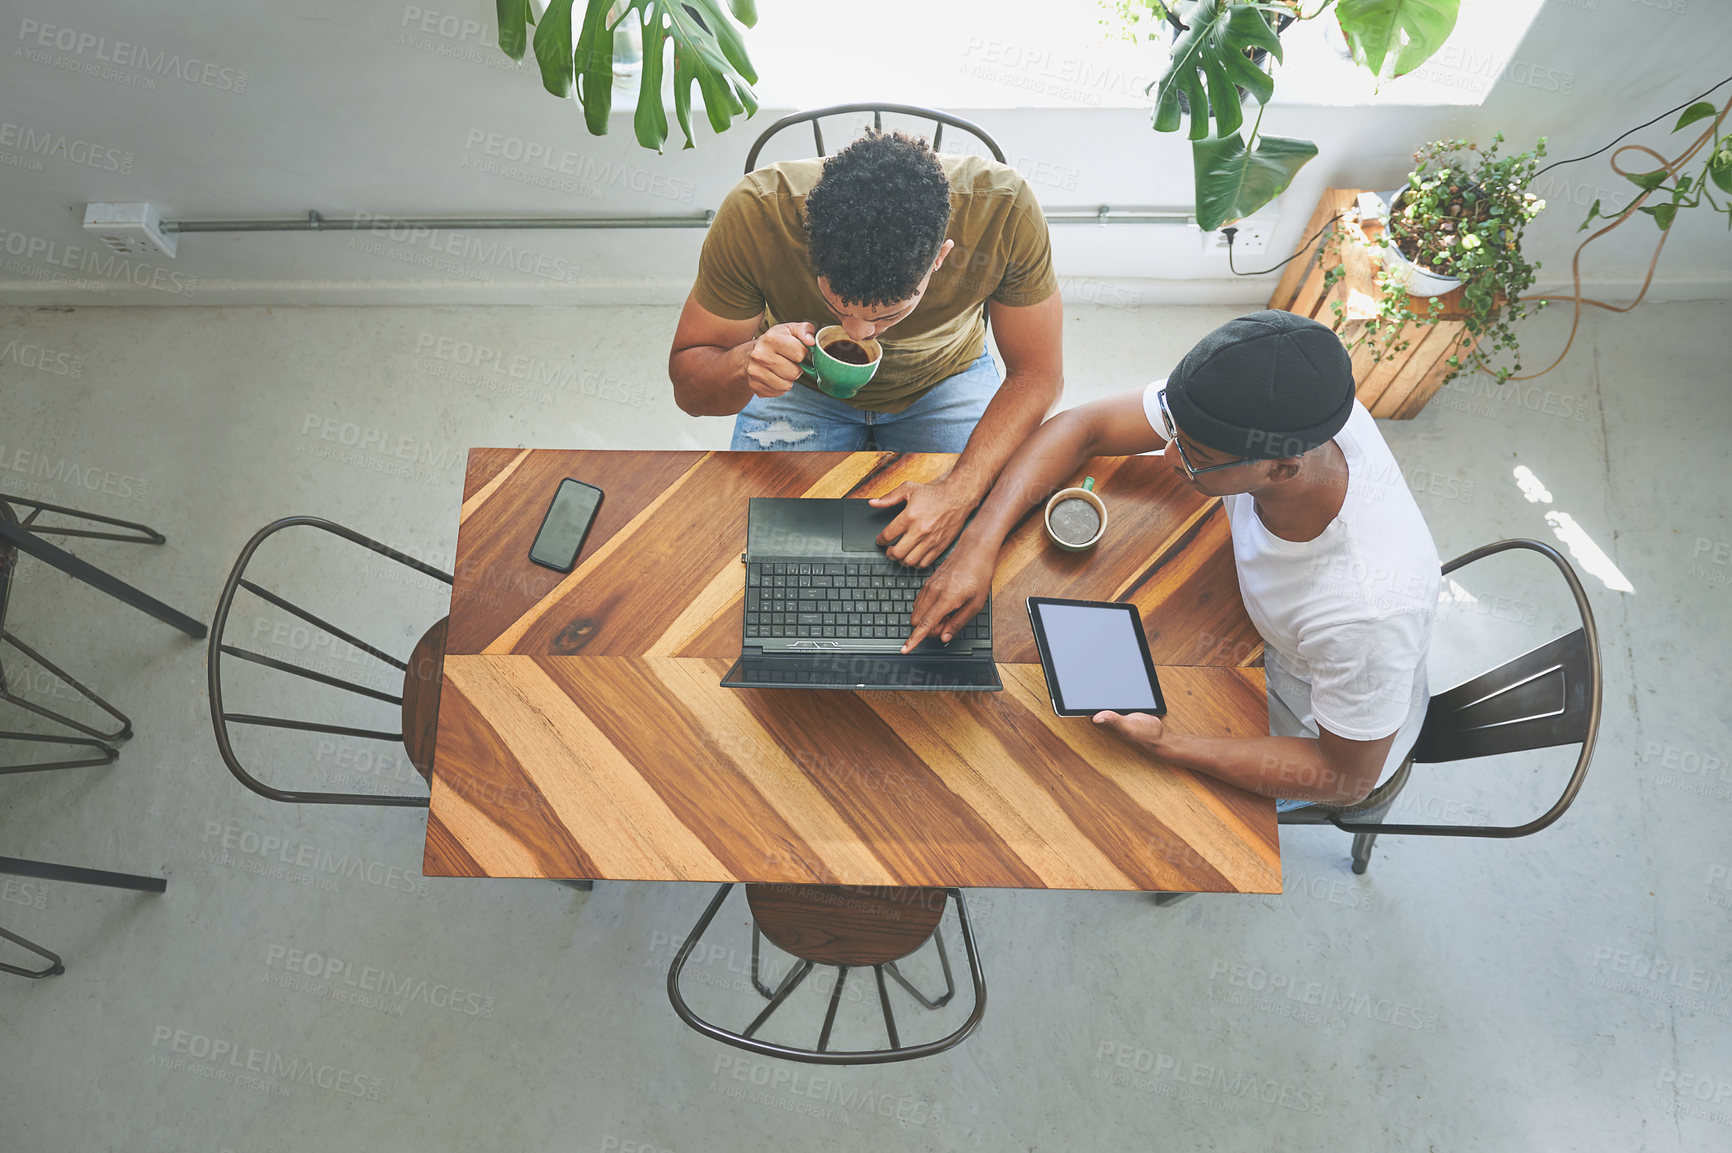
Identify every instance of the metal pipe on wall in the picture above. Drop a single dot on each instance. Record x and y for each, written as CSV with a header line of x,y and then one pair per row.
x,y
314,222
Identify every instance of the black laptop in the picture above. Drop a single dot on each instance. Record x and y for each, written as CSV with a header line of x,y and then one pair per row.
x,y
827,609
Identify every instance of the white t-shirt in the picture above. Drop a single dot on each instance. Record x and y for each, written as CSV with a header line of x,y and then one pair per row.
x,y
1346,617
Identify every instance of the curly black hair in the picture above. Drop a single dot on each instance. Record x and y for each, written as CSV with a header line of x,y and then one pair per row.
x,y
876,218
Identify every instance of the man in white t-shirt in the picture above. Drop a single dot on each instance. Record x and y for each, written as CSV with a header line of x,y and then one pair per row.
x,y
1337,569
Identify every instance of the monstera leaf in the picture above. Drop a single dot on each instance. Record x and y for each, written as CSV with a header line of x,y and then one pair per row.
x,y
707,49
1233,182
1408,31
1209,65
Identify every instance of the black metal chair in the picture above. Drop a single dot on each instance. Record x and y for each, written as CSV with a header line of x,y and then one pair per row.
x,y
939,120
75,875
98,743
418,704
844,927
1547,697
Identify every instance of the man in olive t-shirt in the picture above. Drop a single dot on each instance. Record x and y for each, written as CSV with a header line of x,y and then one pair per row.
x,y
891,241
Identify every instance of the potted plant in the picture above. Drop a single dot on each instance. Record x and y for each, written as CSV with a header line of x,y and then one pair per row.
x,y
1457,223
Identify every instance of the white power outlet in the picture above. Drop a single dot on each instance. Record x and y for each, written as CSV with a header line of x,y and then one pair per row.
x,y
130,229
1252,237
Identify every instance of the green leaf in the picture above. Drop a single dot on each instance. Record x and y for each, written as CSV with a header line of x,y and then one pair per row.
x,y
1700,110
553,48
733,48
595,67
1225,100
513,16
683,76
708,51
1408,32
1647,181
748,98
1722,177
651,119
1232,182
1208,60
1593,212
1662,214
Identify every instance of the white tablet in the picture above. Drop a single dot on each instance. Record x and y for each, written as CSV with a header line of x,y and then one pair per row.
x,y
1095,657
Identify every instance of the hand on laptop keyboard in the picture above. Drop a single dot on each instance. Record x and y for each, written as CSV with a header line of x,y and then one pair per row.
x,y
865,600
952,597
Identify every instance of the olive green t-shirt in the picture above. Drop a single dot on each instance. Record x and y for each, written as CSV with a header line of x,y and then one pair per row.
x,y
755,264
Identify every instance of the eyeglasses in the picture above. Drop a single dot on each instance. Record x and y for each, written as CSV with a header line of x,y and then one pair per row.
x,y
1191,470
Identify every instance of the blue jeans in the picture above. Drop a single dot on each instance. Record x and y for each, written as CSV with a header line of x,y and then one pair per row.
x,y
804,418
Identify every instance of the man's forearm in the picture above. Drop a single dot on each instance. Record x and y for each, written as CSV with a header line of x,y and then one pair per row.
x,y
1039,462
1290,767
711,381
1016,410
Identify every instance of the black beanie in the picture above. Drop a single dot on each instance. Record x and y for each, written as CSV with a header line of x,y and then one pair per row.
x,y
1265,387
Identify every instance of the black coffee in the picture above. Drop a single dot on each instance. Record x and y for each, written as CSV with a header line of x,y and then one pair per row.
x,y
848,351
1075,521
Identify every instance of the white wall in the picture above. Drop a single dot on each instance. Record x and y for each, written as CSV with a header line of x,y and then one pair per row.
x,y
352,109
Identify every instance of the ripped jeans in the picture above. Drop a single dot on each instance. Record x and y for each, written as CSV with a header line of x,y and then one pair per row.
x,y
804,418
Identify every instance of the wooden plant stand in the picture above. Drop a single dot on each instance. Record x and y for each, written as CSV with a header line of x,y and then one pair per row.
x,y
1392,388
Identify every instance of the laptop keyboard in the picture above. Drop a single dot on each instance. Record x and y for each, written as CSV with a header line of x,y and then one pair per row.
x,y
863,600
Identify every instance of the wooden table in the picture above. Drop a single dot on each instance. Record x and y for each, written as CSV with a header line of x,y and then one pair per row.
x,y
1396,386
583,731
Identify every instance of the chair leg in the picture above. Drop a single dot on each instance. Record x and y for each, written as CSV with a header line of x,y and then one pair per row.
x,y
106,756
55,968
949,979
139,534
120,734
884,1003
795,976
758,983
1362,843
835,1000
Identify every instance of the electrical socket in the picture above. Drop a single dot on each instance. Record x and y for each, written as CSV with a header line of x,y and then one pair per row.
x,y
1251,239
130,229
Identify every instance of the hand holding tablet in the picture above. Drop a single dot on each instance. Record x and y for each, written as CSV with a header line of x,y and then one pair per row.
x,y
1095,657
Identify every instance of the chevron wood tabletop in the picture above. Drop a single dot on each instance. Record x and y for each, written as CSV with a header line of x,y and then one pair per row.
x,y
583,731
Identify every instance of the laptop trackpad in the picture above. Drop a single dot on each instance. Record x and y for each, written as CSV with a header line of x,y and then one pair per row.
x,y
861,524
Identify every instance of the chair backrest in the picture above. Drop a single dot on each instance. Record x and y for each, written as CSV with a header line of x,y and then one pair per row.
x,y
219,651
939,121
1546,697
1541,699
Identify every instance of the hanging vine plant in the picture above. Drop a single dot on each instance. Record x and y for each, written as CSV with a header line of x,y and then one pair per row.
x,y
707,51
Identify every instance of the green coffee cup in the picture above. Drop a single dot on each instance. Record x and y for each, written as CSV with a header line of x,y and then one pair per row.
x,y
839,378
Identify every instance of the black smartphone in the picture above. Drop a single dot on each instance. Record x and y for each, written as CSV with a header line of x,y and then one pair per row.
x,y
567,522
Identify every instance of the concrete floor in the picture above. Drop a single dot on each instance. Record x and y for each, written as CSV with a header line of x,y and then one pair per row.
x,y
1569,991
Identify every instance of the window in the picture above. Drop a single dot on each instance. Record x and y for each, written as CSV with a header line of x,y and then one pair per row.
x,y
1063,54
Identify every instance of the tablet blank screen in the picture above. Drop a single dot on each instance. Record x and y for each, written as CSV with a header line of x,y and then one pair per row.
x,y
1096,658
